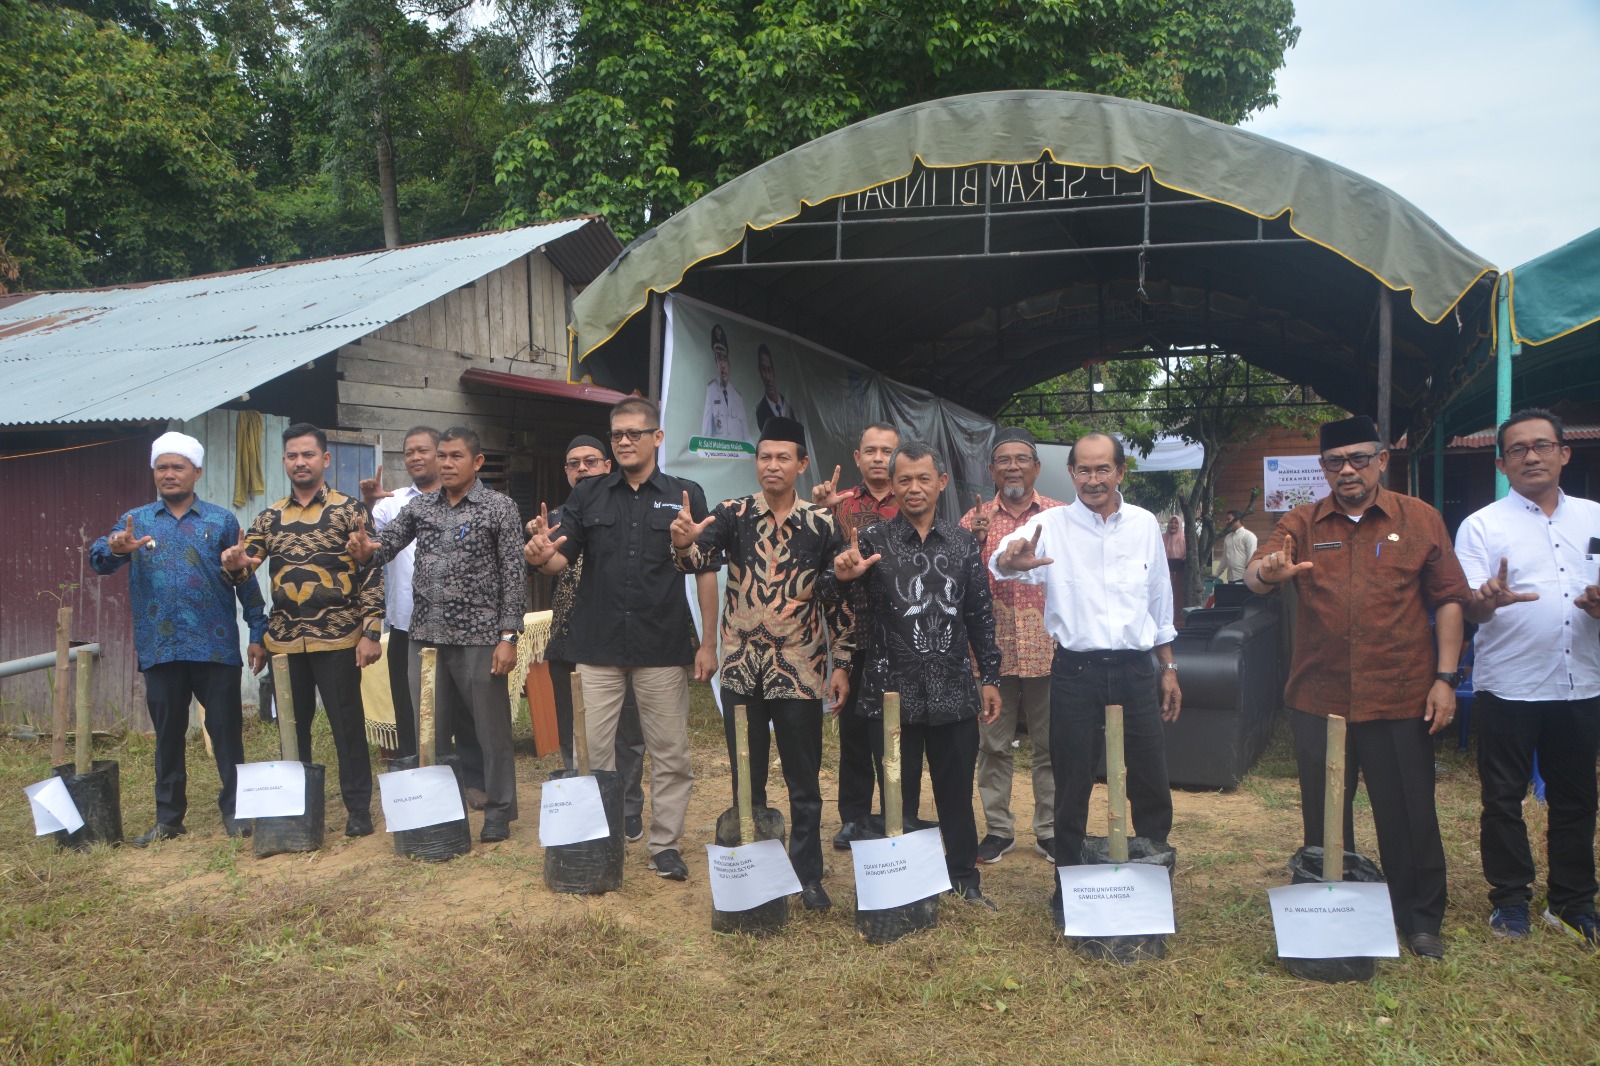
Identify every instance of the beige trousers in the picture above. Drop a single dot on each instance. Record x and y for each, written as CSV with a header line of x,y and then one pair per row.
x,y
996,758
663,695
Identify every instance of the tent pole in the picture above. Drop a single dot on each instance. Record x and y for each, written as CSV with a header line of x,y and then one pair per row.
x,y
656,331
1385,365
1505,347
1438,463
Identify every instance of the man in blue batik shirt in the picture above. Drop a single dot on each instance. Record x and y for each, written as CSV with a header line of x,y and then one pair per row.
x,y
185,625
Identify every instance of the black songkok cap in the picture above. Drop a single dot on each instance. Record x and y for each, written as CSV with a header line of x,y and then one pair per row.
x,y
1342,434
1013,435
784,429
583,440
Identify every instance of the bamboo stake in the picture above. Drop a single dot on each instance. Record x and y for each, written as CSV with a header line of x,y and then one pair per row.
x,y
288,743
893,810
58,740
580,726
426,728
85,705
1333,804
741,743
1116,786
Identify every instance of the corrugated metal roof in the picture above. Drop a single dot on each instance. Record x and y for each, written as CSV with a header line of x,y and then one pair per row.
x,y
175,349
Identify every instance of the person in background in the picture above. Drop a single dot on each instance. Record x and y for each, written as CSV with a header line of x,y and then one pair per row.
x,y
327,612
1368,565
185,626
1025,651
773,403
1173,542
1531,561
1238,545
724,416
586,458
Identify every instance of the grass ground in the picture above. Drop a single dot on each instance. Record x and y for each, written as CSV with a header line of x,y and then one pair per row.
x,y
196,950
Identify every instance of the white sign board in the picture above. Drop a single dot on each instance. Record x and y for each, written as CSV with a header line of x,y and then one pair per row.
x,y
1116,899
416,799
53,808
571,811
896,871
271,790
1344,919
1287,481
750,875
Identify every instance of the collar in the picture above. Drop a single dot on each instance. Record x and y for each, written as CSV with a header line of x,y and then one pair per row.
x,y
760,503
864,493
1094,518
900,521
1383,502
161,505
1522,503
409,491
657,480
321,496
1034,505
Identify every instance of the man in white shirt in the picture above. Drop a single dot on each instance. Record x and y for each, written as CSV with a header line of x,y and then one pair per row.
x,y
1532,561
421,453
724,416
1108,607
1238,545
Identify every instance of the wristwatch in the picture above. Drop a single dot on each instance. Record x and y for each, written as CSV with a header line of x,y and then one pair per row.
x,y
373,635
1453,679
1169,666
509,638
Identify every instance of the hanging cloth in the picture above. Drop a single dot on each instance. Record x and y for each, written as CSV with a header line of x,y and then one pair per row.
x,y
248,477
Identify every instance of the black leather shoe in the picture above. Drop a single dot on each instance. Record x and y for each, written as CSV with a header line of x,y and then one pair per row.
x,y
846,833
974,894
1427,945
359,824
669,864
238,827
159,831
495,830
815,897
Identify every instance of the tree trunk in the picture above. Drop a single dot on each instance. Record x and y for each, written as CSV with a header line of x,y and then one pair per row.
x,y
388,186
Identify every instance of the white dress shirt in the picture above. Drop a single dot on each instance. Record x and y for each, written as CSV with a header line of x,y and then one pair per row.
x,y
1545,649
724,416
1237,548
397,572
1108,588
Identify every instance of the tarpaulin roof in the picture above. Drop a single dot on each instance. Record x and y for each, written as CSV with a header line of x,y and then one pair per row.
x,y
979,328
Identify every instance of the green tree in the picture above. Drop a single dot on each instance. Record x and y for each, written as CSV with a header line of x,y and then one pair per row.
x,y
656,101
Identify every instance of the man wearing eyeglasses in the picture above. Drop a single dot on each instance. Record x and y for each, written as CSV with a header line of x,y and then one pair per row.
x,y
586,458
1108,608
1531,560
1368,565
630,618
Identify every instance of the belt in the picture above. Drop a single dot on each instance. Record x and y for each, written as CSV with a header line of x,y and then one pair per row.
x,y
1101,658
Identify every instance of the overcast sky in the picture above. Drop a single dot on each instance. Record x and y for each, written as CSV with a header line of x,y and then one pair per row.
x,y
1486,115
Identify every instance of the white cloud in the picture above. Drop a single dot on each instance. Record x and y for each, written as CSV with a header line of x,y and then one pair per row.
x,y
1484,115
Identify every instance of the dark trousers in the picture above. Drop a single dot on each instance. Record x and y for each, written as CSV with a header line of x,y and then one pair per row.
x,y
335,676
861,762
168,688
798,727
630,737
1082,685
1395,758
952,753
405,712
473,706
1566,736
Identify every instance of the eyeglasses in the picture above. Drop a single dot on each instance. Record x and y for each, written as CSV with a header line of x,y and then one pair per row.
x,y
1543,448
588,463
1335,463
1099,473
618,435
1008,462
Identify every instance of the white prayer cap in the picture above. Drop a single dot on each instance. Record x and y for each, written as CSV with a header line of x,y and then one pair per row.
x,y
178,444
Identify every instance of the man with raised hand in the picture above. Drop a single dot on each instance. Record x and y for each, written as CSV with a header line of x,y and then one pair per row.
x,y
1025,652
1531,560
470,593
1108,608
327,612
776,629
921,604
185,626
586,458
421,455
1368,565
630,618
854,509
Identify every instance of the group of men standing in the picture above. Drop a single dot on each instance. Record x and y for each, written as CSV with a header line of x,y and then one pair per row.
x,y
1028,610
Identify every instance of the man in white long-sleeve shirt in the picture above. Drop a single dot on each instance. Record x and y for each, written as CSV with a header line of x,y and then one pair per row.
x,y
1108,607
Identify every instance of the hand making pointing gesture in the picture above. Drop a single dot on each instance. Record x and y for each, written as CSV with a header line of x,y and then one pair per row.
x,y
1588,602
372,489
540,547
235,559
360,546
827,494
980,519
1022,554
684,529
1496,593
1279,566
125,542
849,565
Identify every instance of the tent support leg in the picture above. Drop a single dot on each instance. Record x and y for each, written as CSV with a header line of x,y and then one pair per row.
x,y
1385,366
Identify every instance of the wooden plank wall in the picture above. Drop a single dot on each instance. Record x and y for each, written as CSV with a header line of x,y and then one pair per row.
x,y
1243,473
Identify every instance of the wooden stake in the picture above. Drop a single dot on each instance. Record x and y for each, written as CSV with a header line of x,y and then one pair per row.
x,y
426,743
58,741
1116,786
893,809
741,744
288,743
85,705
580,727
1333,804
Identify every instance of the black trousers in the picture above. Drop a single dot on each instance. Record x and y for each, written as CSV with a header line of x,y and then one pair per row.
x,y
1395,758
1082,685
952,753
797,725
168,688
630,737
473,706
405,712
860,767
1566,736
335,676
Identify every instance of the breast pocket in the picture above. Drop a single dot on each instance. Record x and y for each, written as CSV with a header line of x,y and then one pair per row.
x,y
657,536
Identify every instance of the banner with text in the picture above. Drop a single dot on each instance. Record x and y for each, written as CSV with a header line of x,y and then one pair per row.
x,y
1287,481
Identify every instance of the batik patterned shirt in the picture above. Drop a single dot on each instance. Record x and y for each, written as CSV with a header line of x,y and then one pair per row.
x,y
1026,650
